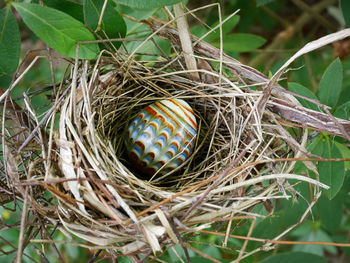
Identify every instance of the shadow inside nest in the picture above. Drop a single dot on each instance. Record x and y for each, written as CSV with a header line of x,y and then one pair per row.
x,y
220,117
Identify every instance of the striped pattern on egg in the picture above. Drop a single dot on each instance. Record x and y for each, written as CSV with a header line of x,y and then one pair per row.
x,y
161,136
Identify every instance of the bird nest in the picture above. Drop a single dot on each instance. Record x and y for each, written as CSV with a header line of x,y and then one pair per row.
x,y
109,203
242,156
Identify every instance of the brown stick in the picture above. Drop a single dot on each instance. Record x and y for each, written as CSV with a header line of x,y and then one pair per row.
x,y
314,14
311,118
185,38
282,38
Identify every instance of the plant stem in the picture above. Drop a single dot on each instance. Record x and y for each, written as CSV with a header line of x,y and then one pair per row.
x,y
284,36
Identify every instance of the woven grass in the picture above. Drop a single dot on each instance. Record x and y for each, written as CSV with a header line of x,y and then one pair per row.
x,y
230,171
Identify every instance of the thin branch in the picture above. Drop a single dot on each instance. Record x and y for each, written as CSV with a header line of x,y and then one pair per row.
x,y
284,36
185,38
22,228
281,242
316,15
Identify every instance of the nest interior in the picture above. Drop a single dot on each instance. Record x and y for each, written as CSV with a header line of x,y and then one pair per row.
x,y
219,121
114,204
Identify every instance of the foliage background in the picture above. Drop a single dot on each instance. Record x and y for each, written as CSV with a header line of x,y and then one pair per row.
x,y
264,34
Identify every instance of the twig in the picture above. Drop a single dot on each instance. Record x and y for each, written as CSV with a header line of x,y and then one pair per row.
x,y
273,14
341,127
22,229
289,32
49,235
51,70
42,121
246,241
309,117
101,16
42,256
95,256
282,242
202,254
176,231
185,38
301,4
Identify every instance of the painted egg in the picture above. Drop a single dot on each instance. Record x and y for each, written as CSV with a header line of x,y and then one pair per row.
x,y
162,136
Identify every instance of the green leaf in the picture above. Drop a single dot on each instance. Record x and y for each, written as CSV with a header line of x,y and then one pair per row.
x,y
263,2
345,7
345,152
147,4
318,235
9,42
346,189
331,173
198,31
5,80
294,257
316,147
149,48
342,238
343,111
112,24
174,253
288,214
331,212
199,259
331,83
137,14
227,27
242,42
73,9
58,30
301,90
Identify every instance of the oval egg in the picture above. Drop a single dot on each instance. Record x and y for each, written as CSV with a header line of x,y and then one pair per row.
x,y
162,136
